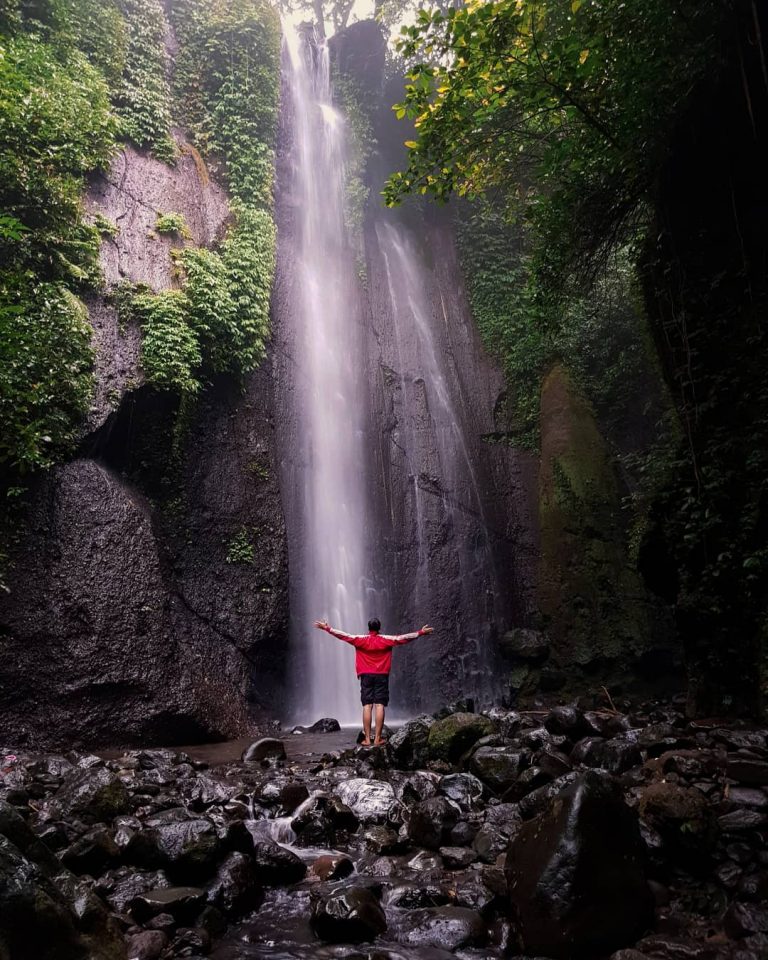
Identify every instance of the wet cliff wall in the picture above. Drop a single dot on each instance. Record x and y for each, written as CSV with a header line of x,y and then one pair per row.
x,y
145,580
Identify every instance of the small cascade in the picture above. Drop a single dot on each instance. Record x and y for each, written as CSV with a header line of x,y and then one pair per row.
x,y
452,554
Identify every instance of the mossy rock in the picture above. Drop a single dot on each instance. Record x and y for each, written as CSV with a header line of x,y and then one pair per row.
x,y
450,738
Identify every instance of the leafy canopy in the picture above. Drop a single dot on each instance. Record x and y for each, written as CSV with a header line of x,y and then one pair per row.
x,y
565,106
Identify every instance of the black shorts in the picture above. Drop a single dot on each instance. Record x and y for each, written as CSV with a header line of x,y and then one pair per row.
x,y
374,688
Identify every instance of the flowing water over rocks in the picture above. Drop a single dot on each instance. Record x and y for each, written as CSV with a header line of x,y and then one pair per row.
x,y
503,834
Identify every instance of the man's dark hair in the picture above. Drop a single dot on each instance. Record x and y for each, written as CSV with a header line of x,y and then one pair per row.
x,y
374,624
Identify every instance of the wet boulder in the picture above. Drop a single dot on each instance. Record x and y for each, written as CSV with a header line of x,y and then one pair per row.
x,y
332,867
325,725
369,800
497,767
91,795
275,865
381,839
430,822
567,721
457,858
92,853
419,786
350,915
122,886
539,799
615,756
410,895
576,874
182,903
449,928
451,737
268,748
235,889
146,944
463,788
188,848
321,819
409,743
35,919
681,818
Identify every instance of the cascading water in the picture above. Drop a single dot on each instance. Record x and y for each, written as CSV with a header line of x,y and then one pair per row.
x,y
326,395
444,506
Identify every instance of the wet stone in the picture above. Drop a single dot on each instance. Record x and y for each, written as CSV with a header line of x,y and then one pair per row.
x,y
235,889
275,865
332,867
369,800
92,853
454,735
381,839
449,928
146,945
268,748
182,903
463,788
352,915
457,858
498,767
430,822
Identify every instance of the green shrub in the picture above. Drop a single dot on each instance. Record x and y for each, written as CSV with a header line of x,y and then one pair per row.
x,y
45,371
105,226
170,223
143,96
170,349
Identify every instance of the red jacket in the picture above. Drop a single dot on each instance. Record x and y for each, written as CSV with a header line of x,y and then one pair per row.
x,y
373,651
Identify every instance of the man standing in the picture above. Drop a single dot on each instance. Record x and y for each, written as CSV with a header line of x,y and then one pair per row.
x,y
373,661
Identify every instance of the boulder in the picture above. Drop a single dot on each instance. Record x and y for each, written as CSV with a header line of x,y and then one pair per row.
x,y
451,737
457,858
332,867
187,848
449,928
430,822
538,800
351,915
92,853
319,820
409,743
124,885
463,788
91,795
268,748
567,721
576,874
497,767
370,800
146,945
275,865
381,839
183,903
615,756
235,890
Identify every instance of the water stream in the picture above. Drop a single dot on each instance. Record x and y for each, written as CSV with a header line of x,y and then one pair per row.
x,y
330,549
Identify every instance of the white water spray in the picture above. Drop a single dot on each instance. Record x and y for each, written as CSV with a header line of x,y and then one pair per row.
x,y
330,555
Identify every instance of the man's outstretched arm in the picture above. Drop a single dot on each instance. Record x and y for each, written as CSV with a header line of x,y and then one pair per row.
x,y
339,634
407,637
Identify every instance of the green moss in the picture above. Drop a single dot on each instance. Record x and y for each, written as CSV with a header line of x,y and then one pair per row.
x,y
105,226
172,223
170,349
240,548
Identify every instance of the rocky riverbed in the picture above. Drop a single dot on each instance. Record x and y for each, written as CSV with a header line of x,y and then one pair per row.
x,y
567,833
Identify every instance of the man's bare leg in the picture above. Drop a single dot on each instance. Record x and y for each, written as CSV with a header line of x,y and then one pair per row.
x,y
367,712
379,724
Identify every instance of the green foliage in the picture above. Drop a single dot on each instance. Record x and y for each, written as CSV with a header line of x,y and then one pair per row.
x,y
240,548
227,87
566,107
170,349
45,371
55,126
172,223
143,96
105,226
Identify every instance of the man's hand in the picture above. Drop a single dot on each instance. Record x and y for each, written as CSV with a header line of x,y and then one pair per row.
x,y
322,625
427,629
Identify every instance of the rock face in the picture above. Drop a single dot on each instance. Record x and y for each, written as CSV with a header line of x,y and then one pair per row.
x,y
128,618
576,874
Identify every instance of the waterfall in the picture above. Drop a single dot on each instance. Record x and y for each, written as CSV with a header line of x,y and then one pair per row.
x,y
326,394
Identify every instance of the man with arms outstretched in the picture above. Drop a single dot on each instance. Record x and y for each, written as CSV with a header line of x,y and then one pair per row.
x,y
373,661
